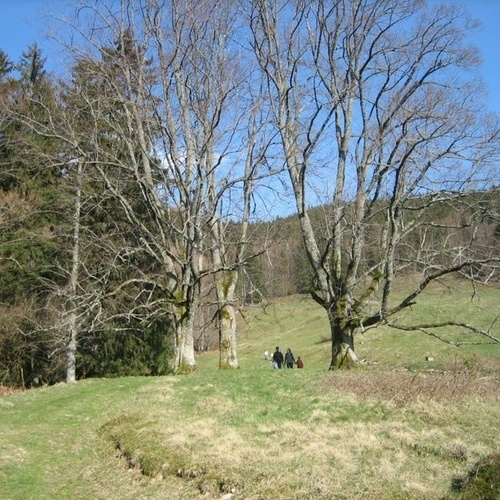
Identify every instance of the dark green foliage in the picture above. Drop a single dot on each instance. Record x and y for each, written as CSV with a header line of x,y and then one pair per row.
x,y
303,277
127,352
6,65
128,338
34,256
31,65
29,265
252,282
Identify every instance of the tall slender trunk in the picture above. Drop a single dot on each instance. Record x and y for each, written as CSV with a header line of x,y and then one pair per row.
x,y
72,318
71,350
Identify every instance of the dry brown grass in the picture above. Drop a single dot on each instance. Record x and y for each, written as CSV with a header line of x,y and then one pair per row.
x,y
403,388
360,435
4,391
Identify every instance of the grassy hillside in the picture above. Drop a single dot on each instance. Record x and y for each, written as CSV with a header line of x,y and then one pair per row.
x,y
301,324
399,428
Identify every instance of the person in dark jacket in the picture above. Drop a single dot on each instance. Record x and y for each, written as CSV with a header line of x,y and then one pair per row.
x,y
289,359
278,358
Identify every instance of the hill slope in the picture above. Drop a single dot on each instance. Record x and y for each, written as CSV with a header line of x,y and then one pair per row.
x,y
381,432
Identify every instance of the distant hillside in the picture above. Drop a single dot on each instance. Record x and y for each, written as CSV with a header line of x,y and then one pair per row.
x,y
283,269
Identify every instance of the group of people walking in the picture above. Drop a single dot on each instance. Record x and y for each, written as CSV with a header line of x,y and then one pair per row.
x,y
288,360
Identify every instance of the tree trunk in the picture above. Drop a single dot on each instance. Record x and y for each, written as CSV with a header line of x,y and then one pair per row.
x,y
184,360
225,286
73,281
343,355
71,357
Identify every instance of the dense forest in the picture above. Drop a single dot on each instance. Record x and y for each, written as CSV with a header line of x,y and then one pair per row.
x,y
135,214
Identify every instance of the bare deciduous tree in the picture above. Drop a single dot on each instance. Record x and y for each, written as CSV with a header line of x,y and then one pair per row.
x,y
372,102
377,121
166,134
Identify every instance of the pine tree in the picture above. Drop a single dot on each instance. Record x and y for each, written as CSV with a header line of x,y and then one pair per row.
x,y
32,239
117,277
31,67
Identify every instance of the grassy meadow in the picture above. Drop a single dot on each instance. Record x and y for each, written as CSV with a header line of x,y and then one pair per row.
x,y
399,427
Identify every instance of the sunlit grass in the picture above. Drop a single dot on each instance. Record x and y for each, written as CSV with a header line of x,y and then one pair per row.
x,y
402,428
301,324
259,433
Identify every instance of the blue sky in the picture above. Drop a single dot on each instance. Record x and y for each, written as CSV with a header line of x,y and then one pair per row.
x,y
21,23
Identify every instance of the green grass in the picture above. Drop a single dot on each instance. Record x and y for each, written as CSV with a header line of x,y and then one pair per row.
x,y
301,324
380,432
